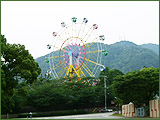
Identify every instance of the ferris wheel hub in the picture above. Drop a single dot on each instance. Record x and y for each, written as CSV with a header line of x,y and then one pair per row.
x,y
75,54
69,53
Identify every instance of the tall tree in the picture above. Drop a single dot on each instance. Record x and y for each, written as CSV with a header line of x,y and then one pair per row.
x,y
138,86
18,65
109,77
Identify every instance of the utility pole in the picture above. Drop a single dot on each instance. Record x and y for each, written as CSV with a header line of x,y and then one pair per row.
x,y
105,96
105,92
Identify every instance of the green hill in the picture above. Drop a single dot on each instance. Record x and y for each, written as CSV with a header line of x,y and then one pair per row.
x,y
152,47
125,56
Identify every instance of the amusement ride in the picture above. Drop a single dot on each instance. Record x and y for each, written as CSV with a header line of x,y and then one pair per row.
x,y
75,56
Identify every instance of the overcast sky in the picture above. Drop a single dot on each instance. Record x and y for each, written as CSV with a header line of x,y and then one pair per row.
x,y
31,23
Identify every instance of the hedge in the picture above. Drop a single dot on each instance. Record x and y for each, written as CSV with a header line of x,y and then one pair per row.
x,y
54,113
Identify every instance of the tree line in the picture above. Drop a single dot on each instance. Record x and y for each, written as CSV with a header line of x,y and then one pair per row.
x,y
24,88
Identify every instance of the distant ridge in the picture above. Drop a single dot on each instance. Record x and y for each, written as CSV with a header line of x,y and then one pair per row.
x,y
152,47
124,43
124,55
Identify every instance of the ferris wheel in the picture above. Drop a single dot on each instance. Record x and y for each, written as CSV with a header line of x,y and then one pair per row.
x,y
76,50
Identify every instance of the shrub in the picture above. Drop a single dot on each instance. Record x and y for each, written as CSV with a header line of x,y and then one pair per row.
x,y
54,113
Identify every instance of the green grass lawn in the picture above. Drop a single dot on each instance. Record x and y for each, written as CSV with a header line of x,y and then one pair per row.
x,y
120,115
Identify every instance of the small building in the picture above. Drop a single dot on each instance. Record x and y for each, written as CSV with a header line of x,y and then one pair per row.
x,y
129,110
154,108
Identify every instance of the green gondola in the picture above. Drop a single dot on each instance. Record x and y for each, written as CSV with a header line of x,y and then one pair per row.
x,y
74,19
46,60
105,52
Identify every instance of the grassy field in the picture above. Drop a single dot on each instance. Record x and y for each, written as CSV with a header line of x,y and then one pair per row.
x,y
120,115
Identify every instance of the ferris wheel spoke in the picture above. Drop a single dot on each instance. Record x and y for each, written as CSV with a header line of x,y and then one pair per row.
x,y
75,60
58,47
69,47
88,35
55,46
56,66
60,72
92,42
83,30
93,62
59,38
68,32
93,51
55,57
63,63
81,73
87,32
88,69
88,55
66,49
75,29
80,29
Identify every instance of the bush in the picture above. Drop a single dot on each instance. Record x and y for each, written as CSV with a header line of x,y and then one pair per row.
x,y
54,113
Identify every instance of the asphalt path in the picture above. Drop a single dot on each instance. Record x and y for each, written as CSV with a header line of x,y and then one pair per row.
x,y
84,116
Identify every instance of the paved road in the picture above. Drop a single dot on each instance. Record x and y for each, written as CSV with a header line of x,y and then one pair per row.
x,y
85,116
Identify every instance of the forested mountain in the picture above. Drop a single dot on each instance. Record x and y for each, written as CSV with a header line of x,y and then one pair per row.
x,y
152,47
125,56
